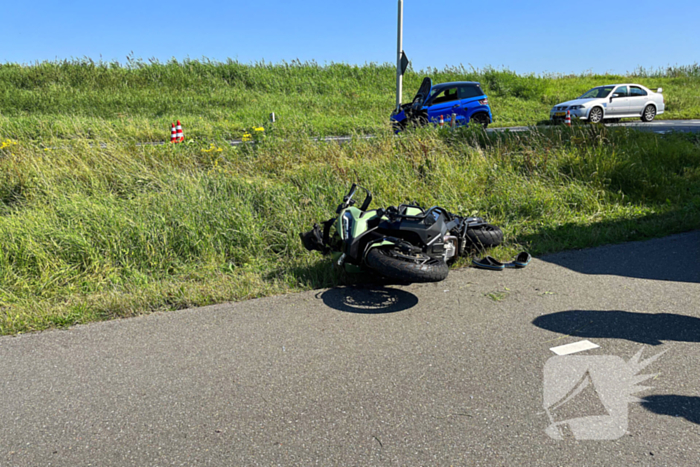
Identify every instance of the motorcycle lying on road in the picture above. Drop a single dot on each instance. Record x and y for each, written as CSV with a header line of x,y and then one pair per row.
x,y
405,243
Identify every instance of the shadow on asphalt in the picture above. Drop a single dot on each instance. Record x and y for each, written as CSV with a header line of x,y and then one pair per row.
x,y
368,299
673,258
687,407
644,328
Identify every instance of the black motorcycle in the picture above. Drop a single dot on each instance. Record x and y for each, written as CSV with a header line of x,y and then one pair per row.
x,y
406,243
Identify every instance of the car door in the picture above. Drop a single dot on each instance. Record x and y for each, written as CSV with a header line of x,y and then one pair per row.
x,y
444,103
638,100
619,102
469,96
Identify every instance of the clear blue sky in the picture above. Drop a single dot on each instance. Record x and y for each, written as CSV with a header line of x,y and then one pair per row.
x,y
523,35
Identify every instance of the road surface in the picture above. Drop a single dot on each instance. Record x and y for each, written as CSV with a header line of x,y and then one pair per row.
x,y
658,126
435,374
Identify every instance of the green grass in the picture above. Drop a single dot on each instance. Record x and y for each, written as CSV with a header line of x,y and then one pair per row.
x,y
138,101
93,232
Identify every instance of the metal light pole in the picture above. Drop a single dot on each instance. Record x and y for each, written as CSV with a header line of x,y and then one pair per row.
x,y
399,51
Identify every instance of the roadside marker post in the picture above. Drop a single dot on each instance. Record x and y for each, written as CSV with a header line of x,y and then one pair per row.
x,y
442,122
568,118
453,121
173,133
180,134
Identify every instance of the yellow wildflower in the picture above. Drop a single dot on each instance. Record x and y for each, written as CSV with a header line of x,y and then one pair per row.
x,y
212,148
7,143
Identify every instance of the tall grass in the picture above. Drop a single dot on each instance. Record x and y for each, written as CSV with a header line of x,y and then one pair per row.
x,y
138,100
91,232
96,231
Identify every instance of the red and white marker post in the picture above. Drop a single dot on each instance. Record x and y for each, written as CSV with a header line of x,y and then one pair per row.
x,y
173,133
180,134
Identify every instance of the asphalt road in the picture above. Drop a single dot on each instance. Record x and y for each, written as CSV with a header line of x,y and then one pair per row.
x,y
438,374
663,126
658,126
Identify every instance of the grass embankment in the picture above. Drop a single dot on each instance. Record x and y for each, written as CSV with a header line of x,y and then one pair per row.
x,y
138,101
90,233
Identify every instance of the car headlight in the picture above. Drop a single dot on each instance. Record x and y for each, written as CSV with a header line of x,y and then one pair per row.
x,y
577,107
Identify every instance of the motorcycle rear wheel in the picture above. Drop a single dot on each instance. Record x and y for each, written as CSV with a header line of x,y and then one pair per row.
x,y
485,236
405,270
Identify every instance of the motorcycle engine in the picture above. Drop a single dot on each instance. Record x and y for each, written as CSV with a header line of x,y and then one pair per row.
x,y
451,243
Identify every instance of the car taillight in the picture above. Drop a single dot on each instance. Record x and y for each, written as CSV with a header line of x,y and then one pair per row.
x,y
484,101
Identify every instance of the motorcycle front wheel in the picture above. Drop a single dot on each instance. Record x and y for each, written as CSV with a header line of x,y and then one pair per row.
x,y
404,268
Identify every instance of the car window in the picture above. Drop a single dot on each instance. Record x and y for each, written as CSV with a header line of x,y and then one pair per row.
x,y
621,91
473,90
597,93
446,95
637,91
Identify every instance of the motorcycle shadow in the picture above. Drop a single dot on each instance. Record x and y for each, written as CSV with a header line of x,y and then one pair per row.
x,y
368,299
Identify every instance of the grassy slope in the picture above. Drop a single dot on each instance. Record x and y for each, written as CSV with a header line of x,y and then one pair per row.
x,y
94,233
216,100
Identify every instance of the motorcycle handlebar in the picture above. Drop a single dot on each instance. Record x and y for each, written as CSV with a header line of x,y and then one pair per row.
x,y
351,193
348,201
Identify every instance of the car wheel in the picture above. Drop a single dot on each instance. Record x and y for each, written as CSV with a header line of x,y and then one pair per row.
x,y
480,119
415,122
421,121
398,127
649,113
595,115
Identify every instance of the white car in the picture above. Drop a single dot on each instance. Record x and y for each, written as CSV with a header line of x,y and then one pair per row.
x,y
611,103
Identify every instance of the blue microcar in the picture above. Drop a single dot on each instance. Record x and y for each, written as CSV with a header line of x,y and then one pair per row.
x,y
465,99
